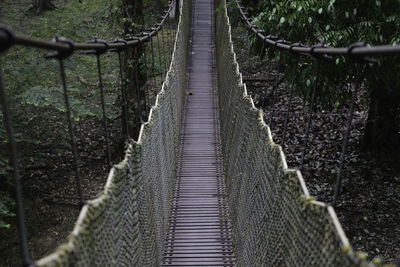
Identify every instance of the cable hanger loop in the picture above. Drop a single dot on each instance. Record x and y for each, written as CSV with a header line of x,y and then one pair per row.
x,y
275,88
338,185
310,114
124,117
61,56
7,38
152,58
146,72
26,258
163,46
103,106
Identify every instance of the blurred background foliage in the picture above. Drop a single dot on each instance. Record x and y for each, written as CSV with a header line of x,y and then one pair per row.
x,y
33,84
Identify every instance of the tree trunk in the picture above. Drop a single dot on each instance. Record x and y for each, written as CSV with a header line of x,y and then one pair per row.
x,y
382,128
133,67
41,5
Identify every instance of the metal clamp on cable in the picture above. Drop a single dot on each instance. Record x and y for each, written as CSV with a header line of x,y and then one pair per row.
x,y
271,37
141,35
133,38
319,56
151,30
284,42
119,41
254,28
7,38
62,54
166,13
148,34
260,33
158,25
297,45
98,51
359,57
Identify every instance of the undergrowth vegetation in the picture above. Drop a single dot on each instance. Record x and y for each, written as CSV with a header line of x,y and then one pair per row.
x,y
338,23
33,85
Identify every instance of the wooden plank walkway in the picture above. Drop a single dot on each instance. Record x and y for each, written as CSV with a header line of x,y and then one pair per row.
x,y
199,233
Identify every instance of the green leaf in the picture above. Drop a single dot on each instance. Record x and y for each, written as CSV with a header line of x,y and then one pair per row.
x,y
320,10
4,225
42,97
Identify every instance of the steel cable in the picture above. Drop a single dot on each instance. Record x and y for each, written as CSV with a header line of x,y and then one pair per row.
x,y
26,258
8,39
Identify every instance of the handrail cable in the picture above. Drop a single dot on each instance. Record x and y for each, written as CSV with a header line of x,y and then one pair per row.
x,y
8,39
305,50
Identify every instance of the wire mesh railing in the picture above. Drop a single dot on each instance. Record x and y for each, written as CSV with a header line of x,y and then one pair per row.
x,y
275,221
115,228
126,225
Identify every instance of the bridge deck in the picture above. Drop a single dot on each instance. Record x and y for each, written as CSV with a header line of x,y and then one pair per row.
x,y
199,233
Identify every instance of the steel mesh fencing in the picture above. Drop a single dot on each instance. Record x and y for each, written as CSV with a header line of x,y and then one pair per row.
x,y
126,225
274,220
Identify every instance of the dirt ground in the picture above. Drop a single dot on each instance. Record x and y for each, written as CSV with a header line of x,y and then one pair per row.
x,y
50,198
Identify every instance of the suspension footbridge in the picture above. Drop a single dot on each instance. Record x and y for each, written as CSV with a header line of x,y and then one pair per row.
x,y
204,184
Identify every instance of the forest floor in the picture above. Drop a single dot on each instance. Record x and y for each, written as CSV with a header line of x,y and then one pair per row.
x,y
50,196
369,205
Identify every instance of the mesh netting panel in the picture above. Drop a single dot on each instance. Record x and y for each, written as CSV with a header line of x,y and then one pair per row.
x,y
274,220
126,225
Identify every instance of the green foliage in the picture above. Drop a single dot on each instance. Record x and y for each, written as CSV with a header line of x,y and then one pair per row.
x,y
334,23
33,84
34,87
54,97
4,166
6,203
121,17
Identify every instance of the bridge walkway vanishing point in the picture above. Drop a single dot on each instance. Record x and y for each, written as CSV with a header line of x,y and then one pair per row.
x,y
199,233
